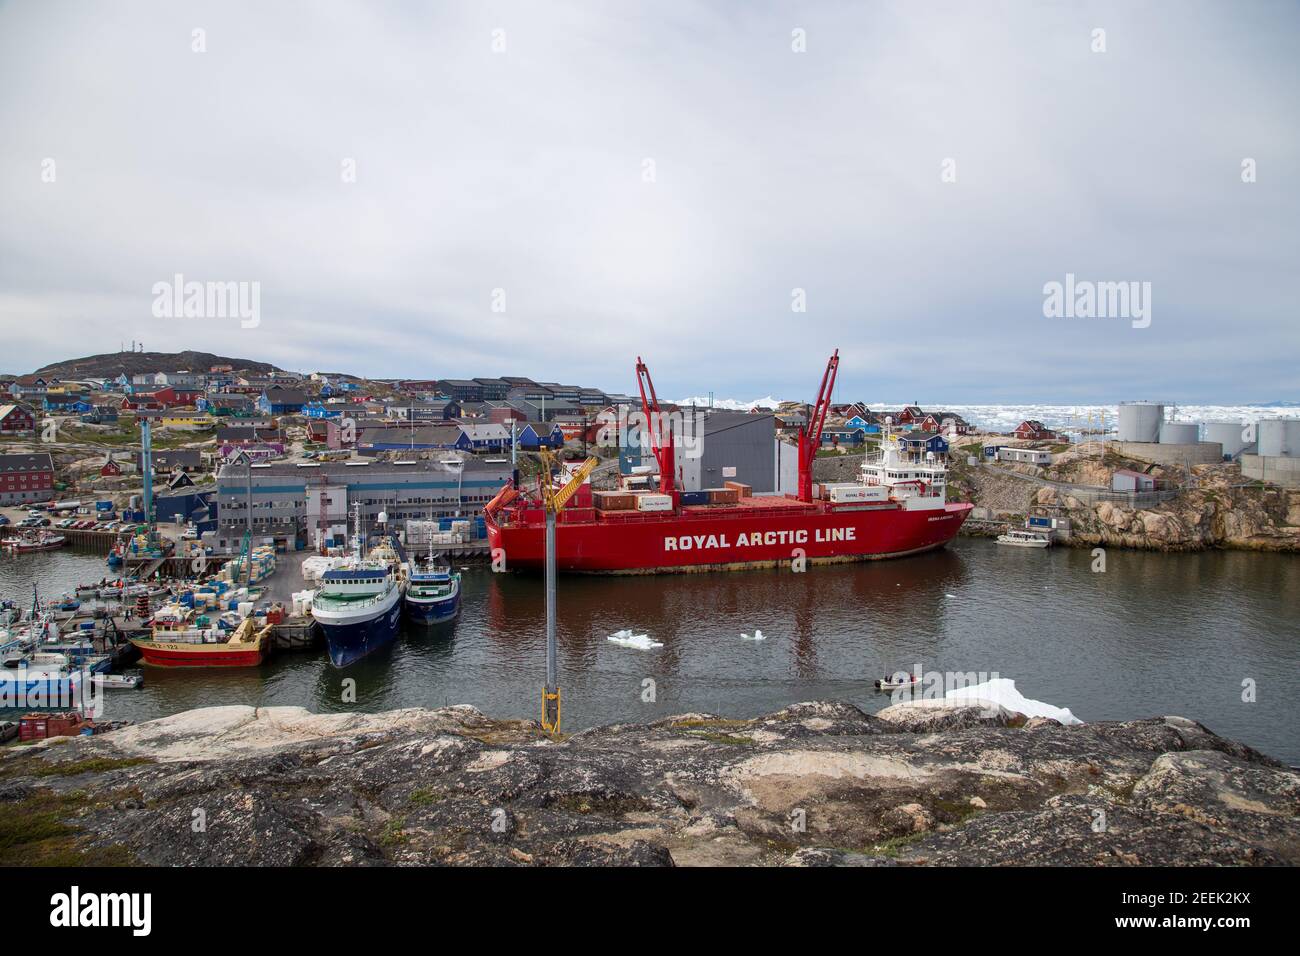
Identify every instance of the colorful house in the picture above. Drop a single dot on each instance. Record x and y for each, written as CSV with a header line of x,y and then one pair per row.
x,y
535,435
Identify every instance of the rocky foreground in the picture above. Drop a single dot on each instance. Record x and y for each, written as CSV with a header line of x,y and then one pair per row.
x,y
814,784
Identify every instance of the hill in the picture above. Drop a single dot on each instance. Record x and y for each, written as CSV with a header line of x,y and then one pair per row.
x,y
112,364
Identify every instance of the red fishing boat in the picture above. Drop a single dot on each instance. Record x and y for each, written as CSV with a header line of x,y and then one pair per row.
x,y
182,639
898,507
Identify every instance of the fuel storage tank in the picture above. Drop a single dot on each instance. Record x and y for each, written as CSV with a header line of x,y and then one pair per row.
x,y
1140,421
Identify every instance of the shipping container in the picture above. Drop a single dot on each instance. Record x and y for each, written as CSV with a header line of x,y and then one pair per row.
x,y
724,496
654,502
614,500
44,726
694,498
850,493
744,490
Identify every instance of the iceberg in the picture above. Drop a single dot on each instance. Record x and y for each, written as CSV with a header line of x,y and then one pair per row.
x,y
626,638
1002,691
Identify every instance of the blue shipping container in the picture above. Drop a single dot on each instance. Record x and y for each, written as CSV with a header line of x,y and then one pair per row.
x,y
695,497
103,506
1036,522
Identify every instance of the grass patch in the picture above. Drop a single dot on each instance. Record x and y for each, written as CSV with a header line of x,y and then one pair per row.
x,y
33,832
423,797
895,845
89,765
728,739
708,722
393,833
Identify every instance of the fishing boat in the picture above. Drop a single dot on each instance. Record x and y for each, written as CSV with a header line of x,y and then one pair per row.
x,y
183,638
1025,539
35,541
433,590
36,678
359,606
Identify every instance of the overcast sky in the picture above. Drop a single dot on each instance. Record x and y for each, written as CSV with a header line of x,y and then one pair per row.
x,y
525,170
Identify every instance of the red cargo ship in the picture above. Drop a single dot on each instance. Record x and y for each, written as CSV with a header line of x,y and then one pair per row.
x,y
898,508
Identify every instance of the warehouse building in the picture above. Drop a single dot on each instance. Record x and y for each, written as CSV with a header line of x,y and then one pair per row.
x,y
287,500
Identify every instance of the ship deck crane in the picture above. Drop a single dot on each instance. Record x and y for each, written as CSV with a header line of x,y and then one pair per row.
x,y
810,436
664,451
553,501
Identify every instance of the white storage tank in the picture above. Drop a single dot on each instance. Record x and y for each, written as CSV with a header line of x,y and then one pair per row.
x,y
1228,434
1179,433
1279,437
1140,421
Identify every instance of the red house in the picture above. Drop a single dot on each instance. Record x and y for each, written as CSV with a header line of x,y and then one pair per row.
x,y
16,420
159,399
1033,430
26,478
910,415
110,468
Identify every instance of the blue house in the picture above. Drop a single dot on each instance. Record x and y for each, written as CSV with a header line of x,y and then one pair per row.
x,y
319,410
843,436
535,436
281,401
919,443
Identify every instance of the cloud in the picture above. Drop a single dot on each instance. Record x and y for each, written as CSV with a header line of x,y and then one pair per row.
x,y
525,170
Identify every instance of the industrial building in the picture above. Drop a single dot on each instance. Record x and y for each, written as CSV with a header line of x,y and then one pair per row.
x,y
717,446
1276,456
290,502
1024,456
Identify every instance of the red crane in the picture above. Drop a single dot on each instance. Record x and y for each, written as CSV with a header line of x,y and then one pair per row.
x,y
664,453
810,437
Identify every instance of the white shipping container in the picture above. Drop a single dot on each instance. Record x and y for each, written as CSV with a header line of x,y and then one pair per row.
x,y
857,493
654,503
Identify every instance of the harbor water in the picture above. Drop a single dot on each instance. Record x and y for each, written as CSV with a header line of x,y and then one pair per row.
x,y
1213,636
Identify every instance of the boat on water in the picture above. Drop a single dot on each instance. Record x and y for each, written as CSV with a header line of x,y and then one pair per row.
x,y
181,637
1025,539
33,540
359,606
118,681
30,677
891,684
128,591
432,590
898,507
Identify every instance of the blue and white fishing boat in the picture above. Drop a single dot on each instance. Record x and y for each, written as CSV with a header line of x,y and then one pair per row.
x,y
359,606
433,594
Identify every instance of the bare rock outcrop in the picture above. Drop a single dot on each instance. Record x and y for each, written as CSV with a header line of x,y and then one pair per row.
x,y
815,784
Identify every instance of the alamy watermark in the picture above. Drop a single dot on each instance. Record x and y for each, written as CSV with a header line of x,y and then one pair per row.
x,y
179,299
1085,299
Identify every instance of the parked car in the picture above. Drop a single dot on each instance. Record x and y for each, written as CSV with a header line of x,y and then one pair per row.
x,y
36,522
4,520
190,533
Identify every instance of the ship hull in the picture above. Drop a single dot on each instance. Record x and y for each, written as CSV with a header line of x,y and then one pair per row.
x,y
730,539
168,654
350,638
432,612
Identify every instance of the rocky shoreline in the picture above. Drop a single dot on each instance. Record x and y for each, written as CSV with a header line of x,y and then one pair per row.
x,y
927,783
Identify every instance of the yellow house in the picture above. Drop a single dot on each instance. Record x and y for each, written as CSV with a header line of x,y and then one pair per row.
x,y
186,420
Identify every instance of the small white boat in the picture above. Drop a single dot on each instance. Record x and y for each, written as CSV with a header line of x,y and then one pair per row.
x,y
756,636
1025,539
118,681
897,685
